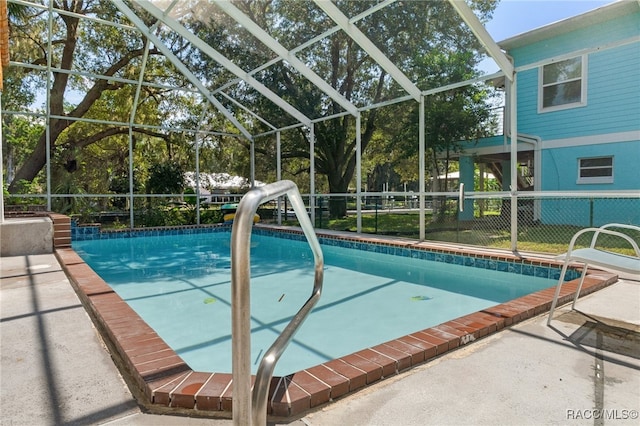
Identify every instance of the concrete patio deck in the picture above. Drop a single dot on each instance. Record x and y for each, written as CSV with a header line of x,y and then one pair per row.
x,y
584,369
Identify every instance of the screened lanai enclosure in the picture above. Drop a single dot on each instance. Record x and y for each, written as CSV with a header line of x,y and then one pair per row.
x,y
127,113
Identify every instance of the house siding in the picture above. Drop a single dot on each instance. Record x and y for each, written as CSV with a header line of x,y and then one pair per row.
x,y
560,172
612,102
607,124
595,35
560,167
583,212
612,106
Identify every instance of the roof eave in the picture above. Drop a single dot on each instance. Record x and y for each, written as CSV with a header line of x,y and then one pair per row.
x,y
600,14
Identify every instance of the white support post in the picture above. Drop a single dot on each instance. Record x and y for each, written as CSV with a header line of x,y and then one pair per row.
x,y
358,174
197,189
312,173
421,166
278,157
253,162
198,138
48,109
513,107
279,177
131,198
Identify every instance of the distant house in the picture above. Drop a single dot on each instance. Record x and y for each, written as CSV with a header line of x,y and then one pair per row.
x,y
578,112
219,187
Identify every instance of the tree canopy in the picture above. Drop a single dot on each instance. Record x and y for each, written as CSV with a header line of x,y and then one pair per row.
x,y
96,67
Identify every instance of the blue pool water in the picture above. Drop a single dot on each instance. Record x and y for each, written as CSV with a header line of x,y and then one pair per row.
x,y
180,285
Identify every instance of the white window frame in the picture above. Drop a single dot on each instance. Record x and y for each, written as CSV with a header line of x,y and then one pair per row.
x,y
595,179
583,87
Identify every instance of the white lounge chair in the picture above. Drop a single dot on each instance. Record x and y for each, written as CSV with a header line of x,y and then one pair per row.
x,y
594,256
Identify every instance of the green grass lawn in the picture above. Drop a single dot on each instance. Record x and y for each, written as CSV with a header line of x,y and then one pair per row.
x,y
491,230
486,232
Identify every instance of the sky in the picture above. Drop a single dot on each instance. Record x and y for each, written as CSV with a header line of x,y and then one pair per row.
x,y
513,17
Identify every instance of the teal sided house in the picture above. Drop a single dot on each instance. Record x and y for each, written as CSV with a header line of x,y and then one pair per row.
x,y
578,115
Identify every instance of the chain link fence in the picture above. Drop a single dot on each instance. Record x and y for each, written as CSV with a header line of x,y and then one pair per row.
x,y
545,222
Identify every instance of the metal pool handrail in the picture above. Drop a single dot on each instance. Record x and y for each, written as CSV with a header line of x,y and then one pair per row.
x,y
248,408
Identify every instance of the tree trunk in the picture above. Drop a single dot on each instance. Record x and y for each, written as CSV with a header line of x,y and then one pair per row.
x,y
38,158
343,167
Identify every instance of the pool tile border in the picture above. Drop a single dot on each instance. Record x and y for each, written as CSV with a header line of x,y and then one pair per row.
x,y
165,382
438,252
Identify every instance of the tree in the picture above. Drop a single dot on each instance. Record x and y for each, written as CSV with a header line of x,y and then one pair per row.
x,y
165,178
91,46
451,117
411,34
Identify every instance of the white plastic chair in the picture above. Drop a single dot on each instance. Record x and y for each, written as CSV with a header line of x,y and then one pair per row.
x,y
593,256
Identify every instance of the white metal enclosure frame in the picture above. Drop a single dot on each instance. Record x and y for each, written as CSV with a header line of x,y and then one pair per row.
x,y
167,14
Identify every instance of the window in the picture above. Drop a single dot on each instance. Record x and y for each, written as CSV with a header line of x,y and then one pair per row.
x,y
595,170
562,85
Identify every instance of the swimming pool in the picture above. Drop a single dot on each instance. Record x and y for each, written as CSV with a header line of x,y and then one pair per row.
x,y
160,378
180,286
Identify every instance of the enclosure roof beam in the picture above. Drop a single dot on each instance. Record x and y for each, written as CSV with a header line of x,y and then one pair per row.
x,y
248,111
95,76
42,116
483,36
312,41
464,83
62,12
223,60
368,46
180,66
285,54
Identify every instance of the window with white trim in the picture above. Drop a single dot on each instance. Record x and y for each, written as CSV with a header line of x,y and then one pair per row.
x,y
562,85
595,170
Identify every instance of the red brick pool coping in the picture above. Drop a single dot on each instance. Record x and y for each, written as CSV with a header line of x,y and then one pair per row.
x,y
164,381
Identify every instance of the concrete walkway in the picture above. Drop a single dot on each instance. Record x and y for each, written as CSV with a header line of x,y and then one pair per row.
x,y
583,370
54,367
